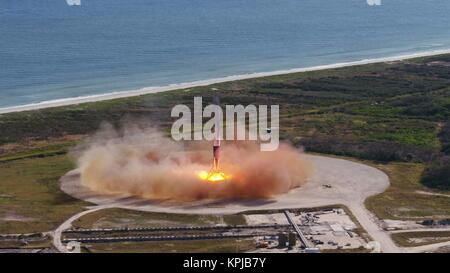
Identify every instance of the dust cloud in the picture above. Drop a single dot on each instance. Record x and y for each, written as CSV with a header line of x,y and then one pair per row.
x,y
144,162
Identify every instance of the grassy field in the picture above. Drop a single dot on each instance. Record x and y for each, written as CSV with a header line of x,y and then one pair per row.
x,y
203,246
391,115
38,244
39,150
386,111
411,239
30,198
401,200
109,218
358,250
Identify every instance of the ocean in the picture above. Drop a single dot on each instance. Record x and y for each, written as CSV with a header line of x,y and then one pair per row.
x,y
51,51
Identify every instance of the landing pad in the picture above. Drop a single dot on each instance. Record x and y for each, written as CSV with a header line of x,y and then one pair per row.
x,y
334,181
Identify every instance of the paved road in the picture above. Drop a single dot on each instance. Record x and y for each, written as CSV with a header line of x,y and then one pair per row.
x,y
432,193
419,230
351,183
369,222
426,248
68,224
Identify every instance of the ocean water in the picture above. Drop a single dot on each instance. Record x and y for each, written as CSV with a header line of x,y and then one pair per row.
x,y
49,50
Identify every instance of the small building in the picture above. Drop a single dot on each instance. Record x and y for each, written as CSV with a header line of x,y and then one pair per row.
x,y
292,239
282,240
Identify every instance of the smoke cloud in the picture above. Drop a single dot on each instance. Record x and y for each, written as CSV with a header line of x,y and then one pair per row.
x,y
143,162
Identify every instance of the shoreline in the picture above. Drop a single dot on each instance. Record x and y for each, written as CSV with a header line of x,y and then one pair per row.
x,y
177,86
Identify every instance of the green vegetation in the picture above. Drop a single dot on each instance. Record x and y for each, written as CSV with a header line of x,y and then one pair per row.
x,y
201,246
38,152
383,112
234,219
30,197
396,113
109,218
437,175
352,250
419,238
402,200
39,244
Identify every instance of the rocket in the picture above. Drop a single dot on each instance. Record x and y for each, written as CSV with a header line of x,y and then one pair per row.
x,y
216,153
215,174
216,143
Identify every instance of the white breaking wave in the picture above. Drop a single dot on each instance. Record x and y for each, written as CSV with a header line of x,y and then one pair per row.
x,y
176,86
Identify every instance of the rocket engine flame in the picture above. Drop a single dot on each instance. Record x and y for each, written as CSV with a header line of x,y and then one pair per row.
x,y
213,176
145,163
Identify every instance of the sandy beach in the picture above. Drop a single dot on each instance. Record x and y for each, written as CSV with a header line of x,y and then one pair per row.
x,y
171,87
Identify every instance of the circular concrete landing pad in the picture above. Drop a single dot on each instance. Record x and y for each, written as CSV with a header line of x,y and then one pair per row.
x,y
334,181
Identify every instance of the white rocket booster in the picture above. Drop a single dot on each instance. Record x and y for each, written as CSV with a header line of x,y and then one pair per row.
x,y
216,143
